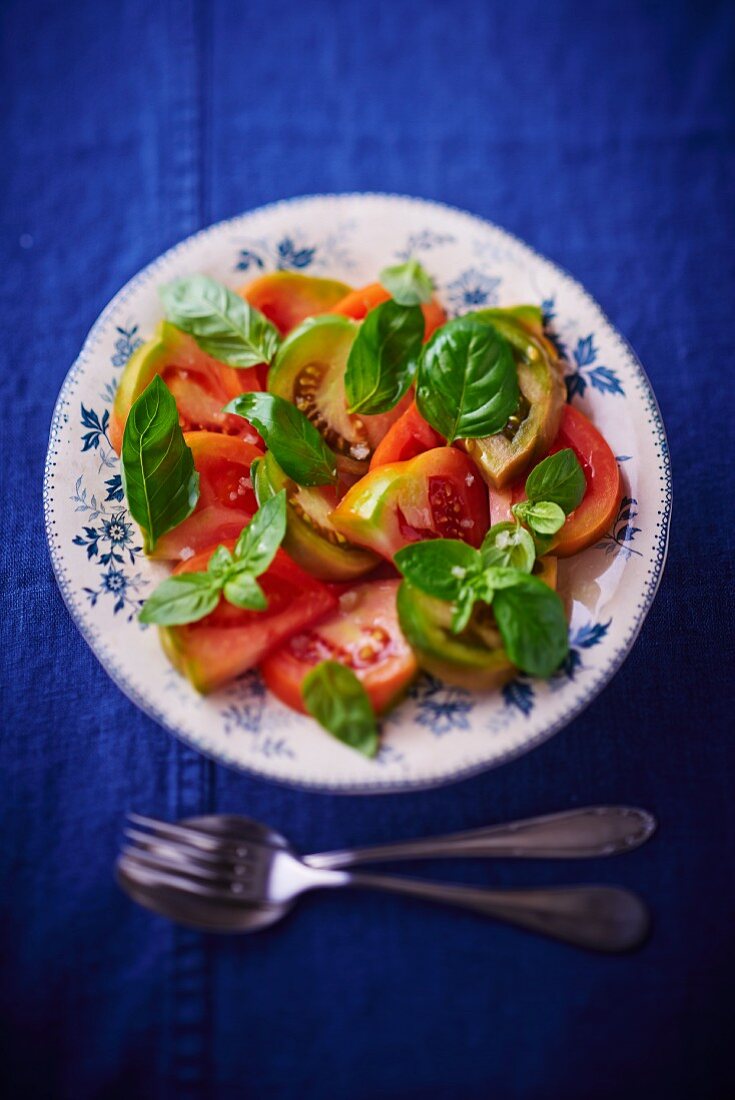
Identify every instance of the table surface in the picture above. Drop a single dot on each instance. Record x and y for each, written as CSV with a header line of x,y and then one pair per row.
x,y
603,135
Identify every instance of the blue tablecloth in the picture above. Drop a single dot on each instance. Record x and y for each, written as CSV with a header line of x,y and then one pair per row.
x,y
602,134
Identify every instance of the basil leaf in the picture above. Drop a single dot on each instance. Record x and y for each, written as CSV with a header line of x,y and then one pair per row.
x,y
462,610
220,562
508,544
158,475
256,547
383,358
544,517
439,567
498,577
297,446
531,620
559,479
408,284
467,380
335,697
182,599
242,590
223,324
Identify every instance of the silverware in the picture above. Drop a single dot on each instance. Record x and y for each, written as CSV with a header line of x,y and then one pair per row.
x,y
230,874
571,834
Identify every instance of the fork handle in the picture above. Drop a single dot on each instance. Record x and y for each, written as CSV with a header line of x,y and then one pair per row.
x,y
600,918
573,834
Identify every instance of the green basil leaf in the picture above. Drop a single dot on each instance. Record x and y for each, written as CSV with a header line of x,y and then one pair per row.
x,y
502,576
335,697
254,467
543,517
439,567
158,475
182,599
467,381
510,545
408,284
242,590
220,562
543,544
383,358
223,324
297,446
462,610
559,479
532,624
256,547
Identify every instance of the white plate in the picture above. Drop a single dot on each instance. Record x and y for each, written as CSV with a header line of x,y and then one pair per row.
x,y
439,734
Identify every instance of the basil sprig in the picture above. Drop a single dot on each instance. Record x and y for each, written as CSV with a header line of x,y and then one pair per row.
x,y
408,284
158,475
552,494
335,697
297,446
223,324
509,544
467,381
559,479
544,517
383,358
188,597
530,616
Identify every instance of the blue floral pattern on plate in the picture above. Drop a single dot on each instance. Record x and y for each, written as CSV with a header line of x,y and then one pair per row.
x,y
295,251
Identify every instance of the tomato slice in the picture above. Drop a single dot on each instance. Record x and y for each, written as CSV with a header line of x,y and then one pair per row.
x,y
226,496
589,522
231,640
439,494
408,437
363,634
359,302
287,298
201,386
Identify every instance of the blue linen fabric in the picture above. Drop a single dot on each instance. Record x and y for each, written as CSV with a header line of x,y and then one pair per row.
x,y
602,134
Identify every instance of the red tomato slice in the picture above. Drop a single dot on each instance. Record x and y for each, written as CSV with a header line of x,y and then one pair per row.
x,y
287,298
408,437
359,302
363,634
587,523
201,386
439,494
226,497
230,640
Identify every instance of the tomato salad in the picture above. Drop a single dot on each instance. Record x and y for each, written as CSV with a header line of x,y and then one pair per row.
x,y
351,487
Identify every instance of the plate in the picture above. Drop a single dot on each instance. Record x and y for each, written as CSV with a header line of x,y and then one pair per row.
x,y
439,734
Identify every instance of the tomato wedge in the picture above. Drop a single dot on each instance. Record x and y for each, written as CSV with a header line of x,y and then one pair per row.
x,y
228,642
363,634
439,494
408,437
359,302
226,497
589,522
201,386
288,298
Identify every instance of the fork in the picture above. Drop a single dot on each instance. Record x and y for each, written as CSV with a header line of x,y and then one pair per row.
x,y
231,874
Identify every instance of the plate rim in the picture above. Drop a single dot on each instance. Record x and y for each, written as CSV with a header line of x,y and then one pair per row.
x,y
389,786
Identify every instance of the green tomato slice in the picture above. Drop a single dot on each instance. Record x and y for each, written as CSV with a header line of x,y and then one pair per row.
x,y
474,659
311,539
533,427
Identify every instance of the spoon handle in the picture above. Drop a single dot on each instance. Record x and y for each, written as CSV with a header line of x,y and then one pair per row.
x,y
573,834
600,918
